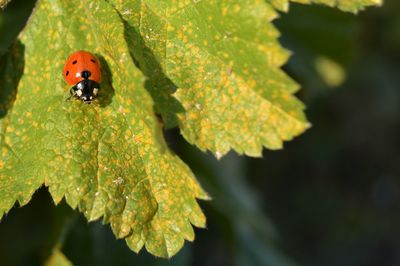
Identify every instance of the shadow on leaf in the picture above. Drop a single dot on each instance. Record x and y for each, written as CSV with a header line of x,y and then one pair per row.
x,y
11,68
157,84
106,92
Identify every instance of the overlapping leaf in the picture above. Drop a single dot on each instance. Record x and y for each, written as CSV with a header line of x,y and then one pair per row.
x,y
225,60
108,159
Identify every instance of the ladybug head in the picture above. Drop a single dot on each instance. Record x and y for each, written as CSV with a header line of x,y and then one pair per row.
x,y
86,90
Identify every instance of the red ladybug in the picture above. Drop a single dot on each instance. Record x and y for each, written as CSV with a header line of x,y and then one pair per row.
x,y
82,70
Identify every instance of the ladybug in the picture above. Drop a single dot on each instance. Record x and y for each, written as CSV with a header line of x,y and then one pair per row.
x,y
82,70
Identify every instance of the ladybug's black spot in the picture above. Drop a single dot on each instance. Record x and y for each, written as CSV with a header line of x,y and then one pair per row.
x,y
94,61
67,73
85,74
74,62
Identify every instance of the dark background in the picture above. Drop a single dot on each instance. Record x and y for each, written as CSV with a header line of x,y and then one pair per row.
x,y
331,197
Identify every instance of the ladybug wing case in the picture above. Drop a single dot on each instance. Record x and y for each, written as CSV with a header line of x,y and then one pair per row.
x,y
77,63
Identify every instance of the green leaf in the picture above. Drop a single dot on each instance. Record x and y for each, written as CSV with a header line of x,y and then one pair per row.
x,y
345,5
107,159
225,59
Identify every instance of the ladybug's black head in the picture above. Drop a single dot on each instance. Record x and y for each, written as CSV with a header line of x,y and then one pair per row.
x,y
86,90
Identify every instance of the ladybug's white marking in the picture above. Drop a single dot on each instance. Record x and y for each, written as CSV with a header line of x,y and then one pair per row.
x,y
79,92
95,90
80,86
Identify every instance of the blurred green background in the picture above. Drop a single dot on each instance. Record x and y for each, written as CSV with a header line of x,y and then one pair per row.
x,y
331,197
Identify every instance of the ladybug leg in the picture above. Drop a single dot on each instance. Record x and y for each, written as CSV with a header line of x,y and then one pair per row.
x,y
72,91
